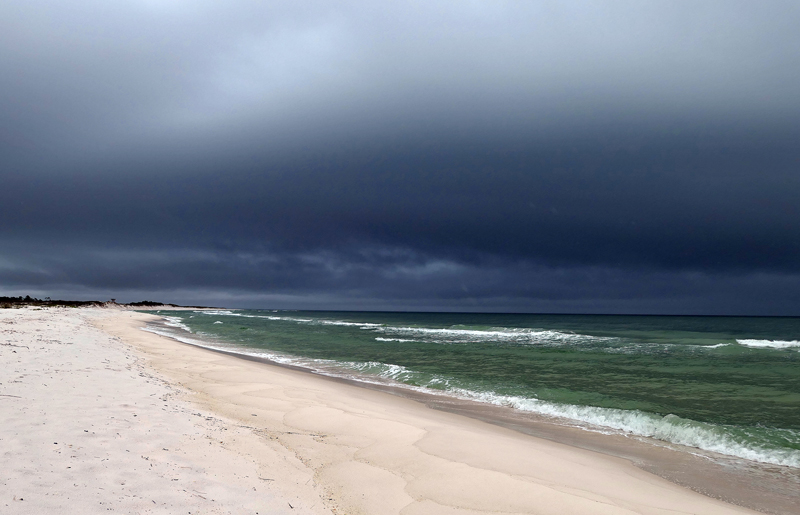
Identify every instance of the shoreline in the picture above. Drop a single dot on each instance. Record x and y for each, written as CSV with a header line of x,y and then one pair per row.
x,y
220,433
618,486
759,486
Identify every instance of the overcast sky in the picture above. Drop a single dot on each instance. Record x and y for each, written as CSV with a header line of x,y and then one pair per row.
x,y
605,157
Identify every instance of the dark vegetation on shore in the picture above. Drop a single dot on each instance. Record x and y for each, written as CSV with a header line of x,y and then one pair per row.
x,y
15,302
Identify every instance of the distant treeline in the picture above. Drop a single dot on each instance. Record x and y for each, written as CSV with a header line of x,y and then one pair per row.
x,y
11,302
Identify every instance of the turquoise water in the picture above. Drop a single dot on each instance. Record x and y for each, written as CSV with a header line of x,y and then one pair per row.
x,y
724,384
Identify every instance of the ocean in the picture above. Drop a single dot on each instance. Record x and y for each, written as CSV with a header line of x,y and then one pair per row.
x,y
726,385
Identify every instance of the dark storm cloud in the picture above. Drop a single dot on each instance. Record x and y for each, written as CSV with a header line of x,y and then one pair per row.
x,y
475,155
87,74
596,205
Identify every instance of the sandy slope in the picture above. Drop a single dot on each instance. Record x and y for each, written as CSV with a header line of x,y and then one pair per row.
x,y
257,438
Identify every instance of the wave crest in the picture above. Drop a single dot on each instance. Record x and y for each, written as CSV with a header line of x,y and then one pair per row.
x,y
769,344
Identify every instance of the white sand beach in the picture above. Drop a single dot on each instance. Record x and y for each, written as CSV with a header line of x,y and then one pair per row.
x,y
101,416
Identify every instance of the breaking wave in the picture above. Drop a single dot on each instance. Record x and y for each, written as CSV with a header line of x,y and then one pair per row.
x,y
769,344
176,322
728,440
495,334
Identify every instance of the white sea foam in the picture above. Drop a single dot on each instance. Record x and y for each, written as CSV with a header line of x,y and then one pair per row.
x,y
218,322
378,338
176,322
363,325
398,375
769,344
385,370
216,312
290,319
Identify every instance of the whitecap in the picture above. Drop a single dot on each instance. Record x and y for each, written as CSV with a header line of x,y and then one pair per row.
x,y
363,325
769,344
